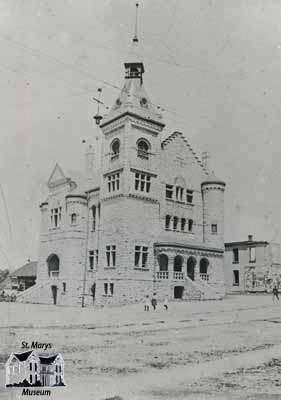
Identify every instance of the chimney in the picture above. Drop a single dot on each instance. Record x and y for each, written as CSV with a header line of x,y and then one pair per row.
x,y
89,161
250,238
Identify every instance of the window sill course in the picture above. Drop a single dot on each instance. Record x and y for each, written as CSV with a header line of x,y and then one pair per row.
x,y
141,269
183,203
178,231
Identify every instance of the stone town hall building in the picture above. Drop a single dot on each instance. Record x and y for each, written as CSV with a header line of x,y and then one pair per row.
x,y
148,217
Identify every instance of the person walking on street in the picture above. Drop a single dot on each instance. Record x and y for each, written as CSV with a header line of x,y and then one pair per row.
x,y
154,301
166,303
146,304
275,296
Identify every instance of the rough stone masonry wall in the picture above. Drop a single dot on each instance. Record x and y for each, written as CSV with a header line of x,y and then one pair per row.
x,y
127,222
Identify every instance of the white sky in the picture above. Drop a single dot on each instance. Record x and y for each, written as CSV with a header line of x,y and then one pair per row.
x,y
215,63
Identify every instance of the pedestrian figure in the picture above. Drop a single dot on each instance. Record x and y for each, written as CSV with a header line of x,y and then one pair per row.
x,y
166,303
275,296
146,304
154,301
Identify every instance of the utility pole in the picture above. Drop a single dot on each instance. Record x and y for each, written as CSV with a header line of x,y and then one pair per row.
x,y
86,253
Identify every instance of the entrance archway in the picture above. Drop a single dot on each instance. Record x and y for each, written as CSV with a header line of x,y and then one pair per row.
x,y
178,292
54,293
190,267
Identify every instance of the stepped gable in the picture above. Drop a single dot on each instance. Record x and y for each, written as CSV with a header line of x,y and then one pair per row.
x,y
177,134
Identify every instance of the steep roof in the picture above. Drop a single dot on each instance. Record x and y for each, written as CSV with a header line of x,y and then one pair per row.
x,y
180,135
133,98
48,360
23,356
28,269
213,179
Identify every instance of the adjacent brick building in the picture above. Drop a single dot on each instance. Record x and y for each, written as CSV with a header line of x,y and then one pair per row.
x,y
252,266
146,217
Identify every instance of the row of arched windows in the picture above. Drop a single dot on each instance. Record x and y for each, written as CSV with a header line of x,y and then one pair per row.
x,y
143,148
163,261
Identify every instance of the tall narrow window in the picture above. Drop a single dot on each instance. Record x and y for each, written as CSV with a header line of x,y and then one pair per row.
x,y
64,290
179,193
235,256
143,148
115,149
175,223
183,222
189,196
137,255
91,259
111,288
141,255
73,218
97,258
113,182
144,256
235,278
108,255
169,191
111,256
94,212
105,288
214,228
190,225
55,216
167,221
252,254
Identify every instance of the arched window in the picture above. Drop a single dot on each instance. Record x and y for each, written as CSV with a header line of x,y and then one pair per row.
x,y
190,267
115,148
53,263
204,263
178,264
163,262
143,147
73,218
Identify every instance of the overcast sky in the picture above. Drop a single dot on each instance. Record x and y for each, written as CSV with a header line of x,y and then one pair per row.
x,y
215,65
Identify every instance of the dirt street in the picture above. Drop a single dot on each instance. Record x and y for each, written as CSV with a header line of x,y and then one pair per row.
x,y
228,349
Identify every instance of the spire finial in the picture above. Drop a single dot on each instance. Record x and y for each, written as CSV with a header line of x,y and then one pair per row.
x,y
135,38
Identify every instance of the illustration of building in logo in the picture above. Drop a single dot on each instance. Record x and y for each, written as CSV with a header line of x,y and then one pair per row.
x,y
33,369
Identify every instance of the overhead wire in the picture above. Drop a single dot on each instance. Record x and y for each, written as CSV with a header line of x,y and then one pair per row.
x,y
87,74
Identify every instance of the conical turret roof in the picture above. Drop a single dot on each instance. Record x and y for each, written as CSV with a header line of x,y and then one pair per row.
x,y
213,179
